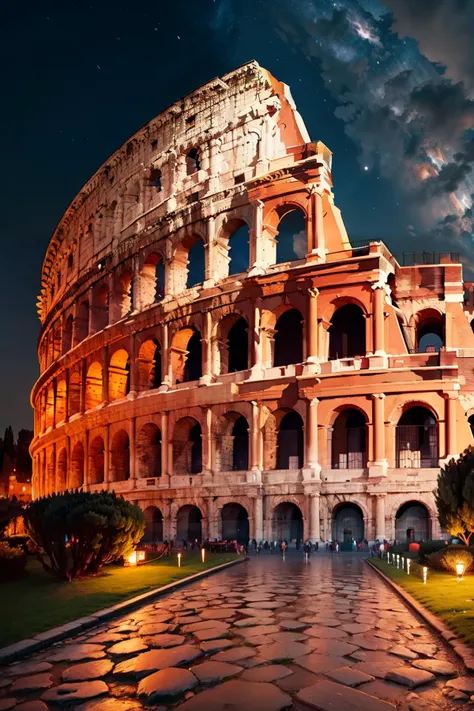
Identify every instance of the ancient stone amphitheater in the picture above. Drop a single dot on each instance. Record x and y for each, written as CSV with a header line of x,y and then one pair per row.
x,y
213,348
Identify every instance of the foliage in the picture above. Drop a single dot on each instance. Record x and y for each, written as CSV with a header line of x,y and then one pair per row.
x,y
23,541
78,532
428,547
455,496
398,548
9,510
12,561
447,558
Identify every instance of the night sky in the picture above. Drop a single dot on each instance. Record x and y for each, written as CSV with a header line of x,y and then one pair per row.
x,y
390,94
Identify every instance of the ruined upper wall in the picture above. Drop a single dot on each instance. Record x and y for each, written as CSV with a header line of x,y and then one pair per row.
x,y
238,125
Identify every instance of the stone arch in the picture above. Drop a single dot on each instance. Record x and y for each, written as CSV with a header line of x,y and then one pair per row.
x,y
233,344
189,523
348,524
291,236
74,396
77,467
287,521
120,457
429,330
233,248
234,523
100,307
149,365
152,280
153,525
57,340
93,386
347,332
148,451
119,375
417,438
61,401
288,338
81,322
349,443
187,446
96,460
50,406
120,301
51,473
189,267
61,471
186,355
67,334
232,443
412,522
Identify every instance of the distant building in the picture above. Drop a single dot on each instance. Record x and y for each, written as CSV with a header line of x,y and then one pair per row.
x,y
214,348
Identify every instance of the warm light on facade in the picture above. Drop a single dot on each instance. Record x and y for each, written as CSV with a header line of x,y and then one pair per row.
x,y
460,567
132,559
141,556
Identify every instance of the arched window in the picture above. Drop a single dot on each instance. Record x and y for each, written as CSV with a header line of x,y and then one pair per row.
x,y
93,386
288,338
50,406
349,440
412,523
153,525
81,322
120,456
67,334
119,375
100,307
292,242
240,445
121,301
348,526
193,365
196,264
152,280
74,398
239,250
235,523
96,460
193,163
56,341
347,333
417,439
238,346
61,471
61,401
290,442
77,466
187,447
287,522
232,450
149,451
189,523
149,365
429,331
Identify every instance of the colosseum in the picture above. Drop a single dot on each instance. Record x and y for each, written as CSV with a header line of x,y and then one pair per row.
x,y
214,348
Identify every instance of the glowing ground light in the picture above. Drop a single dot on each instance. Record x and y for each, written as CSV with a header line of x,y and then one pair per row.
x,y
141,556
408,566
460,567
179,560
425,574
203,555
388,557
132,558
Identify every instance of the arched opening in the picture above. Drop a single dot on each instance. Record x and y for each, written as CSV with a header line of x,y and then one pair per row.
x,y
347,526
152,280
81,322
187,447
50,474
119,375
288,338
193,163
149,365
67,334
290,442
239,249
470,419
100,307
74,393
287,523
148,448
56,341
120,457
77,467
232,451
121,301
238,346
153,525
349,440
235,523
189,523
291,239
61,401
50,406
347,333
186,355
196,264
412,523
417,439
429,331
61,471
96,460
93,386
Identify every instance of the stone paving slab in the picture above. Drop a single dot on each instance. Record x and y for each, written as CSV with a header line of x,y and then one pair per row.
x,y
329,696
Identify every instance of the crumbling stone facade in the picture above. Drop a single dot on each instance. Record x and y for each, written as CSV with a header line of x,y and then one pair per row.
x,y
214,348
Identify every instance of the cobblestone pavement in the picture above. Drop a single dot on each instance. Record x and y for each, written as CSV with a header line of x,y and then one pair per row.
x,y
266,635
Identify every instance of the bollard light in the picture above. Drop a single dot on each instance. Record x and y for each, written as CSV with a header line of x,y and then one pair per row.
x,y
132,559
398,561
141,556
460,567
388,557
425,574
408,566
203,555
179,560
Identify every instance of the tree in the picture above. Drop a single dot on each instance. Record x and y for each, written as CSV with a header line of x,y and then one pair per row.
x,y
78,532
455,496
9,510
23,457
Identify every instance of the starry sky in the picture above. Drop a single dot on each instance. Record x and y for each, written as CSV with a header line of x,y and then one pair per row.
x,y
388,85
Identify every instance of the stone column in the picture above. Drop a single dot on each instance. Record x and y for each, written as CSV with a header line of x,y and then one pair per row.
x,y
378,464
311,429
451,424
209,256
207,441
105,375
211,523
378,304
256,344
206,343
380,516
166,359
256,254
164,443
315,533
86,459
258,517
255,436
312,327
55,401
82,401
132,454
90,298
133,366
319,243
107,454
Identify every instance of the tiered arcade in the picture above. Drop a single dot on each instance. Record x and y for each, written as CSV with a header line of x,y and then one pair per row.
x,y
213,348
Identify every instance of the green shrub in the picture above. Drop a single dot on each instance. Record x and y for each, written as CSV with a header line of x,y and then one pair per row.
x,y
428,547
78,532
447,558
12,561
398,548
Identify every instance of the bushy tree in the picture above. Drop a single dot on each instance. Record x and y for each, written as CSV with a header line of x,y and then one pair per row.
x,y
9,510
78,532
455,496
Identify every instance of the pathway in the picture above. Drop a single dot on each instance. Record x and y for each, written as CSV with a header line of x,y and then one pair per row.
x,y
263,636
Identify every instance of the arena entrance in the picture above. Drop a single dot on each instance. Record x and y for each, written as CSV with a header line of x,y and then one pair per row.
x,y
235,523
347,526
412,523
189,523
287,523
153,525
